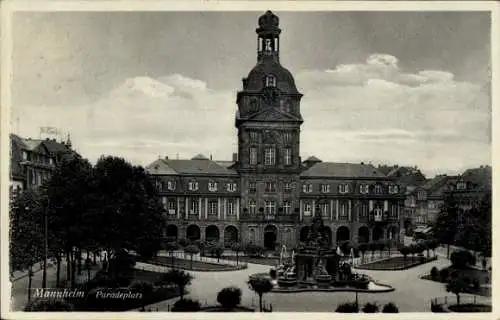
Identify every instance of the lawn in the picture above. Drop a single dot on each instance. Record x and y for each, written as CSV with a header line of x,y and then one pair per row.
x,y
273,262
195,266
395,263
484,277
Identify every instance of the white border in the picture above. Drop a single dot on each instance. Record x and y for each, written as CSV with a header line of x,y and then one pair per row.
x,y
10,6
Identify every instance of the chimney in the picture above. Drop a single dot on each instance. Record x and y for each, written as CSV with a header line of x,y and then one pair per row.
x,y
166,158
364,163
235,157
211,156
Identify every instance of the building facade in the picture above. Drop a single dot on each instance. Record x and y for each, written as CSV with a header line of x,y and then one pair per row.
x,y
267,195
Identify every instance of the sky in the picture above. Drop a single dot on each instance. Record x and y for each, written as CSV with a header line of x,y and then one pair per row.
x,y
407,88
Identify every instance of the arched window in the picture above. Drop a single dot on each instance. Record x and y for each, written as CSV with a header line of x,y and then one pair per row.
x,y
270,81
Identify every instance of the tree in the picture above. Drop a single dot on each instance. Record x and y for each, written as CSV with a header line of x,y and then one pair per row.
x,y
260,286
404,251
179,278
217,250
434,273
457,286
229,297
390,308
186,305
370,308
171,247
191,250
446,225
237,248
433,244
348,308
462,258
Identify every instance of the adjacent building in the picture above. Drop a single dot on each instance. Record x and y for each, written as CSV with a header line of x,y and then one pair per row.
x,y
33,160
267,195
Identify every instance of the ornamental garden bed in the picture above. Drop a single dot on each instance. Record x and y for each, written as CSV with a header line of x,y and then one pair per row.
x,y
267,261
469,307
396,263
478,279
194,265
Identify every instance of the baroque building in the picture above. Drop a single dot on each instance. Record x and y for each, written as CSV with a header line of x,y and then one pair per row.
x,y
267,195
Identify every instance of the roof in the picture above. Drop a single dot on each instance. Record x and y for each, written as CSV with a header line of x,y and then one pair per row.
x,y
199,156
312,159
284,79
342,170
188,167
438,184
480,177
56,147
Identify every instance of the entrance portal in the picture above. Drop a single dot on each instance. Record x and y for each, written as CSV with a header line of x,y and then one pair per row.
x,y
270,236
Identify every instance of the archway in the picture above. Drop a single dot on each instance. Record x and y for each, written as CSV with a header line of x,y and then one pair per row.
x,y
343,235
270,236
378,234
328,233
171,233
304,232
193,233
363,234
212,234
230,235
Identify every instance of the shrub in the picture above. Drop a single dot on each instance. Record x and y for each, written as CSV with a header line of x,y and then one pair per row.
x,y
390,308
370,308
145,288
434,273
462,258
48,305
183,242
348,308
186,305
229,297
272,273
454,274
437,308
444,274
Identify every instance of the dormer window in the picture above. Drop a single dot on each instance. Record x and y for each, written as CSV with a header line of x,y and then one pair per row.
x,y
393,189
158,185
378,189
171,185
270,81
231,187
461,185
325,188
212,186
307,188
344,188
193,186
364,189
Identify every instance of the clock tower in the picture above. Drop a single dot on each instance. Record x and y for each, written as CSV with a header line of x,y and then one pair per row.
x,y
268,120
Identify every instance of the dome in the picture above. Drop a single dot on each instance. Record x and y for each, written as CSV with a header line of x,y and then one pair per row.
x,y
269,20
284,79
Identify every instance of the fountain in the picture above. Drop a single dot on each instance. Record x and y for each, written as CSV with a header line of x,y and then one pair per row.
x,y
315,266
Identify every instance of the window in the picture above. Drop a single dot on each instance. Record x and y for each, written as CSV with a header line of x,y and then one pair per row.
x,y
287,207
287,155
164,202
231,207
307,208
252,206
344,210
461,185
421,195
253,155
394,210
287,137
307,188
25,155
213,207
344,188
51,161
393,189
254,136
212,186
378,189
194,206
171,185
287,187
252,187
270,207
364,189
363,209
172,206
270,186
267,45
269,156
325,209
158,185
325,188
377,214
231,187
270,81
193,186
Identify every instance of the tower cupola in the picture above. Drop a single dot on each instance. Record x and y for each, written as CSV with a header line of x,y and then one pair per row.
x,y
268,36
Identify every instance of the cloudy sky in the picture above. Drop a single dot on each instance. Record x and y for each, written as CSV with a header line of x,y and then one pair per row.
x,y
399,88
